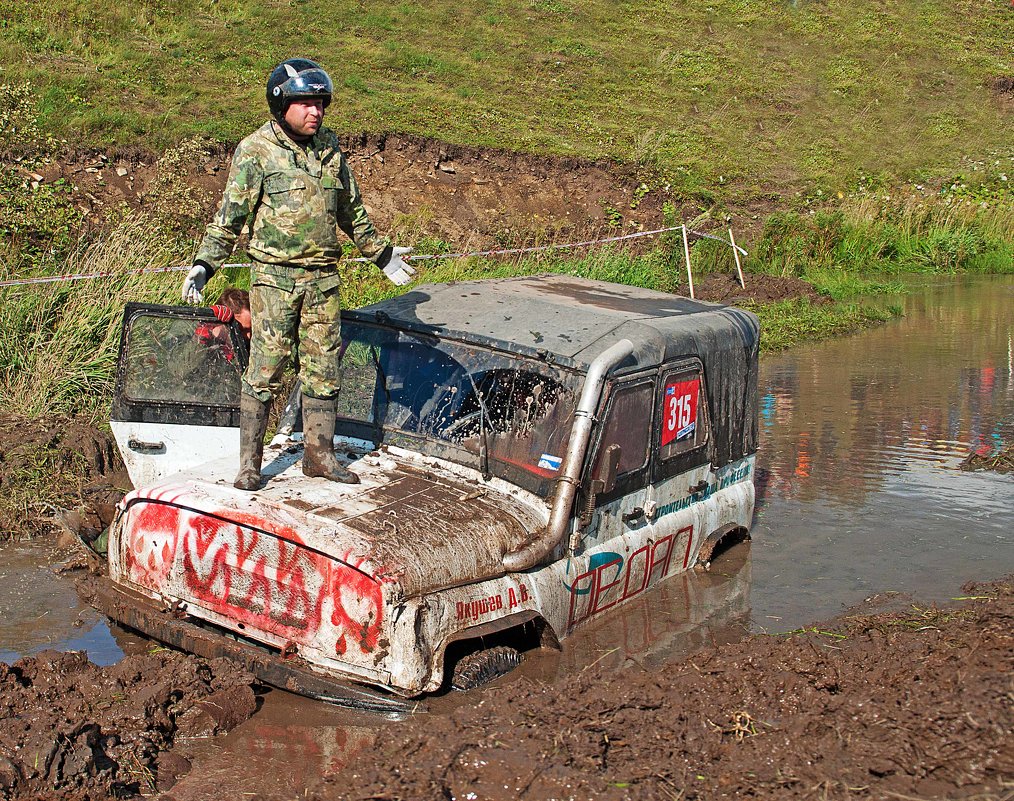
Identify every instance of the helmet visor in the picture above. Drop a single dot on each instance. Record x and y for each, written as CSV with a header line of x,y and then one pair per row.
x,y
307,83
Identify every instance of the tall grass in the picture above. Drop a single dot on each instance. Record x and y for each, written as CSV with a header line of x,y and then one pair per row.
x,y
868,236
59,344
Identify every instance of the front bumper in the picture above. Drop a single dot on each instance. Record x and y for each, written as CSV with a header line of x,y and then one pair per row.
x,y
176,629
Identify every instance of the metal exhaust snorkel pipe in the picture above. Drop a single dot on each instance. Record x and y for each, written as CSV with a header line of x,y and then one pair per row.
x,y
580,433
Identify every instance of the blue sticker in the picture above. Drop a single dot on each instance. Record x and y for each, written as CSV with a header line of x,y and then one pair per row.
x,y
549,462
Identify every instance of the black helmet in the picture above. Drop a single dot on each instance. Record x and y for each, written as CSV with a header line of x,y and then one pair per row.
x,y
297,79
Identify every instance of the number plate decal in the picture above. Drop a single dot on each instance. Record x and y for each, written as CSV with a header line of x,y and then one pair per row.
x,y
679,418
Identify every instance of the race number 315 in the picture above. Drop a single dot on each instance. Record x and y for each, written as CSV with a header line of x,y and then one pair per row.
x,y
680,410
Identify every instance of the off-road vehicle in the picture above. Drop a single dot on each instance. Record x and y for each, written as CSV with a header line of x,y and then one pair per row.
x,y
533,452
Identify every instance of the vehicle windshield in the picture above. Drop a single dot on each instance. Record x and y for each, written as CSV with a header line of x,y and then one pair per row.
x,y
505,414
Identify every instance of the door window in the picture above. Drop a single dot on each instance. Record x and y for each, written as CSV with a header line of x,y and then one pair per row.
x,y
183,360
628,422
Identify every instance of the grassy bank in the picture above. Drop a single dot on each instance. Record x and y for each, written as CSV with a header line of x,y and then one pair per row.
x,y
730,98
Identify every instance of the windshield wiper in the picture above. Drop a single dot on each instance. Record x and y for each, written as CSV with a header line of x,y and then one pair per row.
x,y
483,441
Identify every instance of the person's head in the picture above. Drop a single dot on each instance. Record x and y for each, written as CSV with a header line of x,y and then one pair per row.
x,y
238,301
298,92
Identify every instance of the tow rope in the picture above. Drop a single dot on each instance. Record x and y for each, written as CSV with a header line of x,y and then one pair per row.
x,y
694,235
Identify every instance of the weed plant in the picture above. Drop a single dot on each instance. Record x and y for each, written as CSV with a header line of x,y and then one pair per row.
x,y
868,236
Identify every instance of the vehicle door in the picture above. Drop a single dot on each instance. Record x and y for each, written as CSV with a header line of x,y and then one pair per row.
x,y
682,477
610,523
649,464
176,401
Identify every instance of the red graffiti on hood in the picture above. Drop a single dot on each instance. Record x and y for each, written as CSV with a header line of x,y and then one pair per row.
x,y
358,607
228,563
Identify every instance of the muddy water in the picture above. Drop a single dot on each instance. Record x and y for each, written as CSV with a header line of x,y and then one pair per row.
x,y
861,441
859,492
39,608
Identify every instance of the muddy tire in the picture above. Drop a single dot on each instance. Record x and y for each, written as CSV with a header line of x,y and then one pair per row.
x,y
484,666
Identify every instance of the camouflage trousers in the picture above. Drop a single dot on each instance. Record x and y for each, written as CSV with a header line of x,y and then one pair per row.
x,y
294,310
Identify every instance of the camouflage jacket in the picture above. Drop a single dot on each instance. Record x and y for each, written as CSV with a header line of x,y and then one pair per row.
x,y
295,200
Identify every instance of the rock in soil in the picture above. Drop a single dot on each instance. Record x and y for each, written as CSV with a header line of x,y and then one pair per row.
x,y
72,730
874,705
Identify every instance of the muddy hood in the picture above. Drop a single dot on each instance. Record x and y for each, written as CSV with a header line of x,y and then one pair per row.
x,y
411,522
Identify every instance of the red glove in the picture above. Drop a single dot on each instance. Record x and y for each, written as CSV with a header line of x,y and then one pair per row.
x,y
223,313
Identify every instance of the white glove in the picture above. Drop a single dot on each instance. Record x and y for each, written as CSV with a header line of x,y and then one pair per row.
x,y
397,268
193,284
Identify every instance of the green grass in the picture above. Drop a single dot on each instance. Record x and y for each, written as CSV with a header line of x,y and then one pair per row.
x,y
864,134
791,322
59,345
731,98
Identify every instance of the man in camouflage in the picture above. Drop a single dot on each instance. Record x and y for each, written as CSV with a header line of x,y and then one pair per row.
x,y
291,182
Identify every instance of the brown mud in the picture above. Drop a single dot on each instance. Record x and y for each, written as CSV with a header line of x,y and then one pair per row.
x,y
74,469
70,729
891,701
467,197
725,288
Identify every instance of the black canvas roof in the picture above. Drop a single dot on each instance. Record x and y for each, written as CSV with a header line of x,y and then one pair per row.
x,y
570,319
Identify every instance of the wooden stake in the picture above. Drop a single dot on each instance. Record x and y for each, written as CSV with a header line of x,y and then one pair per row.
x,y
686,251
735,252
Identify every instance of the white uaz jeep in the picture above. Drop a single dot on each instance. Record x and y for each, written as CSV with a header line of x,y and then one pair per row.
x,y
532,452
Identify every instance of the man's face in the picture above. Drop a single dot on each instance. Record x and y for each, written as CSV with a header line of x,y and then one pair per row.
x,y
305,116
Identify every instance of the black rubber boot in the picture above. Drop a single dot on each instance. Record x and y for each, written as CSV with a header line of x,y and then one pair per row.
x,y
253,422
318,435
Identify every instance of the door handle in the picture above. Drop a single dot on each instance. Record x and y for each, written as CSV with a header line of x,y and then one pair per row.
x,y
145,447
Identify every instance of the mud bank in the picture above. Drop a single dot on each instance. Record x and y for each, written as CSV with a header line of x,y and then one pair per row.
x,y
72,730
57,474
895,700
457,193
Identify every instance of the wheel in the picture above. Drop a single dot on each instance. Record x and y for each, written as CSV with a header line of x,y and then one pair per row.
x,y
484,666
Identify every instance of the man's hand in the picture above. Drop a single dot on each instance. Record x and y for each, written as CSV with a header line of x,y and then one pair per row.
x,y
397,268
193,284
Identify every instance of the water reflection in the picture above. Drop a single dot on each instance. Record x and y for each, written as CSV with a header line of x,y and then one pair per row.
x,y
286,749
673,620
861,439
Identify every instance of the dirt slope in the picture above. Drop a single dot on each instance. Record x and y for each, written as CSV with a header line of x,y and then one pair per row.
x,y
468,197
57,473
